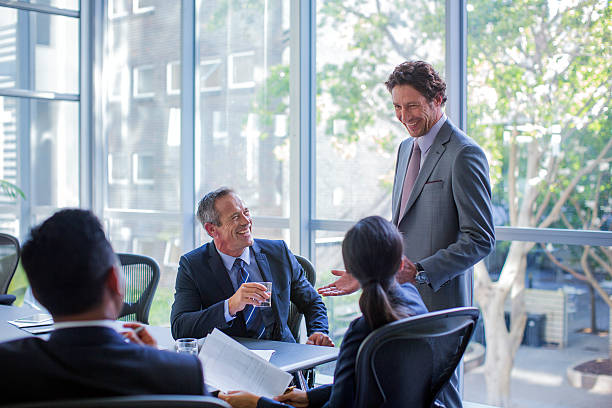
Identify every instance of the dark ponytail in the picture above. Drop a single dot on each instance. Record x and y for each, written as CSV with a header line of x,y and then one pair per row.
x,y
372,252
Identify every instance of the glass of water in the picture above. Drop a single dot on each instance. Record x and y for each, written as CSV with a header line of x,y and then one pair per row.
x,y
189,346
267,302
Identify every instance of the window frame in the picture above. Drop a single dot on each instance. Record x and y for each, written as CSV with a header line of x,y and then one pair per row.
x,y
231,84
137,9
169,75
136,73
219,66
136,177
113,14
120,181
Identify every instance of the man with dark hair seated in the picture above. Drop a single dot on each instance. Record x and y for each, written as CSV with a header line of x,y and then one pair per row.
x,y
75,274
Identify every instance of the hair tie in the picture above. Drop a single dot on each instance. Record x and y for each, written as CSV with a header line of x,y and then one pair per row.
x,y
371,282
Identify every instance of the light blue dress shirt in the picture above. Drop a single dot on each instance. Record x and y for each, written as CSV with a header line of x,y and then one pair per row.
x,y
251,267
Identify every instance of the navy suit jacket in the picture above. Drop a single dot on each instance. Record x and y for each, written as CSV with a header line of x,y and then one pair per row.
x,y
203,284
88,362
342,392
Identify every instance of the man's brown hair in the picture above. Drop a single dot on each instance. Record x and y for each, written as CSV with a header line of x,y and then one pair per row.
x,y
421,76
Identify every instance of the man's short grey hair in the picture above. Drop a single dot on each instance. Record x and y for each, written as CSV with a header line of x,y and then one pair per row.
x,y
206,208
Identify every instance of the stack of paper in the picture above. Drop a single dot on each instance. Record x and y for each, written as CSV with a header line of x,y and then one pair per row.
x,y
228,366
35,324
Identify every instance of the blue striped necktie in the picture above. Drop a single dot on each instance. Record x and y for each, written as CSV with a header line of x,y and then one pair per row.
x,y
252,315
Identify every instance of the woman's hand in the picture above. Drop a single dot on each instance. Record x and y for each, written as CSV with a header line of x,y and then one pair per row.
x,y
297,398
344,285
239,399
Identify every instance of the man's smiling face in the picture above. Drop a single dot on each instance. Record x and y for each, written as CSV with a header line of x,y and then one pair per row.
x,y
233,233
414,111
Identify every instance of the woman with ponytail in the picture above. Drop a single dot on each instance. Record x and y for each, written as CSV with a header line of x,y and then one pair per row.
x,y
372,253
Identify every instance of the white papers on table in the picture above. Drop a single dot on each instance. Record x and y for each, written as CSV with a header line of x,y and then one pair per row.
x,y
228,365
39,319
265,354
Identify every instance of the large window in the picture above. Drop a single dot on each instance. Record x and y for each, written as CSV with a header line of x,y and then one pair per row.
x,y
244,78
141,133
538,102
285,102
357,134
39,110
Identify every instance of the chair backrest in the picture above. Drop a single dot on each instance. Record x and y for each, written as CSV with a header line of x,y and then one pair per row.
x,y
141,279
295,317
135,401
9,258
408,361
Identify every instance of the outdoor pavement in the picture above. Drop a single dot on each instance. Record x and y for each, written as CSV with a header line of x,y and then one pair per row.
x,y
539,375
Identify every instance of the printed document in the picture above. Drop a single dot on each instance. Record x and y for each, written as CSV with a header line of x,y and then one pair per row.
x,y
228,366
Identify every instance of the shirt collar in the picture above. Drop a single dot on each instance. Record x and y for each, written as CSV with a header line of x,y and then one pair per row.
x,y
428,138
112,324
229,260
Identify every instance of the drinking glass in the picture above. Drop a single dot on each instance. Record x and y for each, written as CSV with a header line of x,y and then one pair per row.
x,y
189,346
267,302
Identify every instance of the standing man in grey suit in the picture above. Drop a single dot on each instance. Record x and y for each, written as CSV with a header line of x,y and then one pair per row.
x,y
441,199
441,194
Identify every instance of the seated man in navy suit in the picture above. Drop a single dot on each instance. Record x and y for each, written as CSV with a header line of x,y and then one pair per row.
x,y
75,274
216,285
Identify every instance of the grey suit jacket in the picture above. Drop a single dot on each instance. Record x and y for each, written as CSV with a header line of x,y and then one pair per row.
x,y
448,223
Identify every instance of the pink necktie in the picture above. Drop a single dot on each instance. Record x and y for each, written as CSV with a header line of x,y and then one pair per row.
x,y
411,175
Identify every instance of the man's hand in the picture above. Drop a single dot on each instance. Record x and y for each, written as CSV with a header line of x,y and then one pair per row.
x,y
239,399
251,293
345,285
296,398
138,334
407,272
320,339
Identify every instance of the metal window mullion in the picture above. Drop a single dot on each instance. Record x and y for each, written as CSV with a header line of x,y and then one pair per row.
x,y
86,159
302,102
540,235
189,41
456,62
41,95
40,8
24,80
554,236
271,222
98,145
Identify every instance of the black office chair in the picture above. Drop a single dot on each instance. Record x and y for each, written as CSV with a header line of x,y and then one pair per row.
x,y
304,378
295,317
141,279
9,258
408,361
136,401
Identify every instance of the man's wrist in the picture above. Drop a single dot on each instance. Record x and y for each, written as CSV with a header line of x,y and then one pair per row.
x,y
232,308
421,277
226,311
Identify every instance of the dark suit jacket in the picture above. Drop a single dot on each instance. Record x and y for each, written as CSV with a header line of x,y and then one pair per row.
x,y
92,362
342,392
447,225
203,284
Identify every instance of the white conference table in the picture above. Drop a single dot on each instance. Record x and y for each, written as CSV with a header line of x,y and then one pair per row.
x,y
289,357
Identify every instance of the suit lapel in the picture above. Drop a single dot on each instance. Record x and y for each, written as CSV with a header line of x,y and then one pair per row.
x,y
403,158
269,315
433,157
219,275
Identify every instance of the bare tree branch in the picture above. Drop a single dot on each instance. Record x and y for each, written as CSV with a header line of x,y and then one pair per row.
x,y
554,213
587,270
